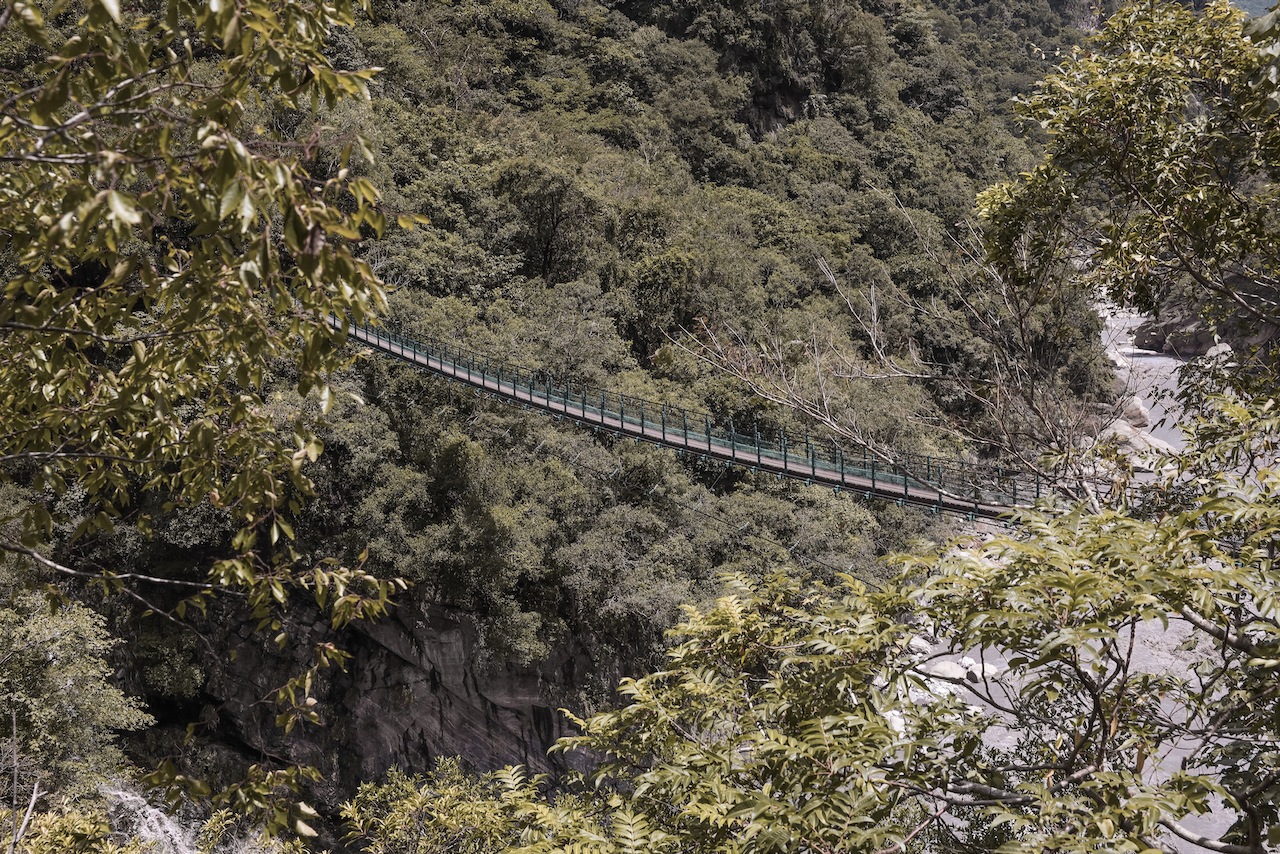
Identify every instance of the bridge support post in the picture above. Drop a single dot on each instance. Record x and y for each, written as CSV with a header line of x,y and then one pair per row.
x,y
733,439
873,472
757,426
664,422
684,414
707,424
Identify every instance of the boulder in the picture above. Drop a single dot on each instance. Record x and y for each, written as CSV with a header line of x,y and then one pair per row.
x,y
1142,448
947,670
1152,334
1186,335
1193,339
1134,413
1132,439
984,671
919,645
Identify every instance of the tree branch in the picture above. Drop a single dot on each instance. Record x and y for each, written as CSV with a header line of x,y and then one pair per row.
x,y
1207,843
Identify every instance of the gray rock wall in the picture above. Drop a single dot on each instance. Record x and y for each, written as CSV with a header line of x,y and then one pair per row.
x,y
412,691
1186,335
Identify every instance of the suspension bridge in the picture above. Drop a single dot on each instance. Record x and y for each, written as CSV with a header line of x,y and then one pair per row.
x,y
946,485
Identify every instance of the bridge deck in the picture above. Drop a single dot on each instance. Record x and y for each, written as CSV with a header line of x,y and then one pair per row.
x,y
982,494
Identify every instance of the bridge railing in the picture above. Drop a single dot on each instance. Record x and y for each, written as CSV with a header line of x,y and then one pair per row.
x,y
917,475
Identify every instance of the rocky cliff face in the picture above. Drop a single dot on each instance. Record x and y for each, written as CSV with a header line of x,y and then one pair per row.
x,y
1185,334
415,689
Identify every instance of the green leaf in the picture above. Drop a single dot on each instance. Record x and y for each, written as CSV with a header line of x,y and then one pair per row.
x,y
112,8
232,196
122,208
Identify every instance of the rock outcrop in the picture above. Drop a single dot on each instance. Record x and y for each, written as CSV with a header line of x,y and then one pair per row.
x,y
1186,334
414,690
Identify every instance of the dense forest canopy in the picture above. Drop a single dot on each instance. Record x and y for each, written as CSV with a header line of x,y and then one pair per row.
x,y
621,195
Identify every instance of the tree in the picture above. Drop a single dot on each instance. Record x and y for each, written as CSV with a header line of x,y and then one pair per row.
x,y
446,810
1158,187
168,232
1167,182
983,360
1067,743
63,710
787,720
791,718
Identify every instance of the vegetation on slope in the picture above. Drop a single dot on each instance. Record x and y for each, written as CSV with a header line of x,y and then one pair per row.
x,y
795,718
586,182
595,180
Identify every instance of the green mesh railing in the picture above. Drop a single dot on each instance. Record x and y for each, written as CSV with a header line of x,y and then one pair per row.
x,y
940,483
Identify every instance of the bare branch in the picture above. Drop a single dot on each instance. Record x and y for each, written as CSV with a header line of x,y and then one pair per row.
x,y
1207,843
106,339
901,845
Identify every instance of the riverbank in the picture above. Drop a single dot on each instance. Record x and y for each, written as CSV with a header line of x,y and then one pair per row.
x,y
1150,378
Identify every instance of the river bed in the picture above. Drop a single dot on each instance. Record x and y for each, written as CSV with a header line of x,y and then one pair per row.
x,y
1151,377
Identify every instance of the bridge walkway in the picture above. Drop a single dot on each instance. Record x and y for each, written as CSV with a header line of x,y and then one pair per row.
x,y
951,486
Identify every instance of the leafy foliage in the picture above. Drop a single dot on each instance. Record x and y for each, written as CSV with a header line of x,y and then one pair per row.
x,y
446,810
190,198
791,718
66,830
1164,184
55,683
164,251
794,718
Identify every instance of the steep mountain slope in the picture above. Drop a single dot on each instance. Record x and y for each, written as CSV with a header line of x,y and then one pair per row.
x,y
599,181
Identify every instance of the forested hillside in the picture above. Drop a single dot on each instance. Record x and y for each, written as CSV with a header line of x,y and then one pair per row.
x,y
600,192
594,183
598,181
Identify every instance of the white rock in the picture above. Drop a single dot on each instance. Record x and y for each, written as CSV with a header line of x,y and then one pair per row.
x,y
1135,413
1222,348
1141,446
920,697
920,645
896,722
947,670
978,674
942,689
